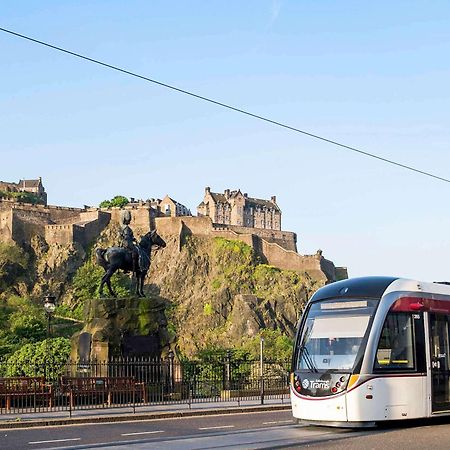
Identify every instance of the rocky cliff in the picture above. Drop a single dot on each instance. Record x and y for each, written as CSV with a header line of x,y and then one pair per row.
x,y
221,295
216,290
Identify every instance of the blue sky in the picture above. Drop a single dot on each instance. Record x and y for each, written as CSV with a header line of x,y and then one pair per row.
x,y
373,75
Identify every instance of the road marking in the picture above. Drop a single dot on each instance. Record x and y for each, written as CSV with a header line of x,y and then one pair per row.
x,y
54,440
216,428
278,421
142,432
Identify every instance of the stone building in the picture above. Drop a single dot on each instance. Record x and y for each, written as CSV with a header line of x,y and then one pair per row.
x,y
33,186
236,208
171,208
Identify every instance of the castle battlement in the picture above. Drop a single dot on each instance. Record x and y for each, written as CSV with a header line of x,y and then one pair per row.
x,y
19,222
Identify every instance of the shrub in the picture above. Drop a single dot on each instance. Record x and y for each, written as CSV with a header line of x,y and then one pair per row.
x,y
46,358
119,201
87,281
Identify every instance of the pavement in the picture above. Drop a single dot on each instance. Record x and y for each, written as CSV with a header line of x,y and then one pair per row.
x,y
125,414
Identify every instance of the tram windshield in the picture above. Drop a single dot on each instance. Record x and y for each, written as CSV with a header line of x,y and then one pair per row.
x,y
333,334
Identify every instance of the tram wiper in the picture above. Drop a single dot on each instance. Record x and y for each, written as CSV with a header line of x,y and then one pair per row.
x,y
308,358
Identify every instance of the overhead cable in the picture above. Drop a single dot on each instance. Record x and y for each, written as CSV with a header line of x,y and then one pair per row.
x,y
224,105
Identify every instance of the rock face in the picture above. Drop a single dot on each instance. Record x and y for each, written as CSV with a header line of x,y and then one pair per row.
x,y
220,294
126,327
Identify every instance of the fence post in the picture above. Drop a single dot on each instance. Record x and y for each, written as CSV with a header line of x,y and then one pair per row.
x,y
70,401
171,372
190,388
261,369
228,371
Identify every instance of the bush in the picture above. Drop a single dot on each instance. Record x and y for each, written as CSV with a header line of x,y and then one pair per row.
x,y
119,201
22,197
87,281
277,346
46,358
22,322
30,327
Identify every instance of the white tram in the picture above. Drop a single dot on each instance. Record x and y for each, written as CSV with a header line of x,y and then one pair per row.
x,y
373,349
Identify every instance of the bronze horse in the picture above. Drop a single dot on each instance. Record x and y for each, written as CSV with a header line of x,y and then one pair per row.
x,y
114,258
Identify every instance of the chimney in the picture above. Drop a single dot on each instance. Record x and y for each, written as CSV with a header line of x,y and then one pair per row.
x,y
227,193
273,199
245,194
207,190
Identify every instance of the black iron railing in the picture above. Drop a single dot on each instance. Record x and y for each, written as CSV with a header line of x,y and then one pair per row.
x,y
136,382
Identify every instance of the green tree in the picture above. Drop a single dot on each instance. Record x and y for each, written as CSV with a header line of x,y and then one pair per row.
x,y
46,358
87,281
29,327
22,197
22,322
119,201
277,346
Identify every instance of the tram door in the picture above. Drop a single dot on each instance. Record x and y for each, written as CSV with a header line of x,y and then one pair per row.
x,y
440,367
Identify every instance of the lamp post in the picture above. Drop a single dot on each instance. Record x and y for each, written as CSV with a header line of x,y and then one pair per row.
x,y
49,306
261,368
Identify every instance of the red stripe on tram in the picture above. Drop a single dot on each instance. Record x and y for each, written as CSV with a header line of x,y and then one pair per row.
x,y
411,304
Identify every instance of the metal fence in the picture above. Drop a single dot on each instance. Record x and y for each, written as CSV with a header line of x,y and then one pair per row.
x,y
137,382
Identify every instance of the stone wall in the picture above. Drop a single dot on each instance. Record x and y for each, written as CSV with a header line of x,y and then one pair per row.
x,y
91,224
59,234
141,217
20,223
289,260
286,239
270,252
87,228
28,223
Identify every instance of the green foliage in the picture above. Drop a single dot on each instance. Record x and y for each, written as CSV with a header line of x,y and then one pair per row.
x,y
22,197
119,201
216,284
13,264
207,309
46,358
22,322
87,281
235,261
30,327
277,346
71,313
233,249
265,272
241,273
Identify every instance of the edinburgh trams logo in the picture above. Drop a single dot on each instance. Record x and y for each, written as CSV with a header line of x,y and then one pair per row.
x,y
315,384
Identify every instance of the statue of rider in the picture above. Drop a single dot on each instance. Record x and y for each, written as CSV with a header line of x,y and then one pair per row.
x,y
128,240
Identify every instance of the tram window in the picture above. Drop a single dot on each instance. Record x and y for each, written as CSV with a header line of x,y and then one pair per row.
x,y
396,349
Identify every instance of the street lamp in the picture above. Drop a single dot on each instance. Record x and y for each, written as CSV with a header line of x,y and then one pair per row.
x,y
49,306
261,368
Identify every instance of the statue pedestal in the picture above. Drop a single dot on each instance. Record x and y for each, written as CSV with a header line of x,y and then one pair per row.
x,y
121,327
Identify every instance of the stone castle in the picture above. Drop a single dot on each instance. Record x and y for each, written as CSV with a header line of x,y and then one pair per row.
x,y
32,186
236,208
231,215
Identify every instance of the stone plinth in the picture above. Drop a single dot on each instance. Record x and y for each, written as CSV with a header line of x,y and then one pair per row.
x,y
121,327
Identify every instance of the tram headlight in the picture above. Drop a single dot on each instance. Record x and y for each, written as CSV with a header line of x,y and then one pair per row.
x,y
296,382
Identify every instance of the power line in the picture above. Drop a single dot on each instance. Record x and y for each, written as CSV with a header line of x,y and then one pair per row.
x,y
224,105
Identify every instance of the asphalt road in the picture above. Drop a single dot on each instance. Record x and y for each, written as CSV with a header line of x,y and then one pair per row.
x,y
232,431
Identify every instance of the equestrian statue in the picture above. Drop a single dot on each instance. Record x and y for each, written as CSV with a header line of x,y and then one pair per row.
x,y
131,256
